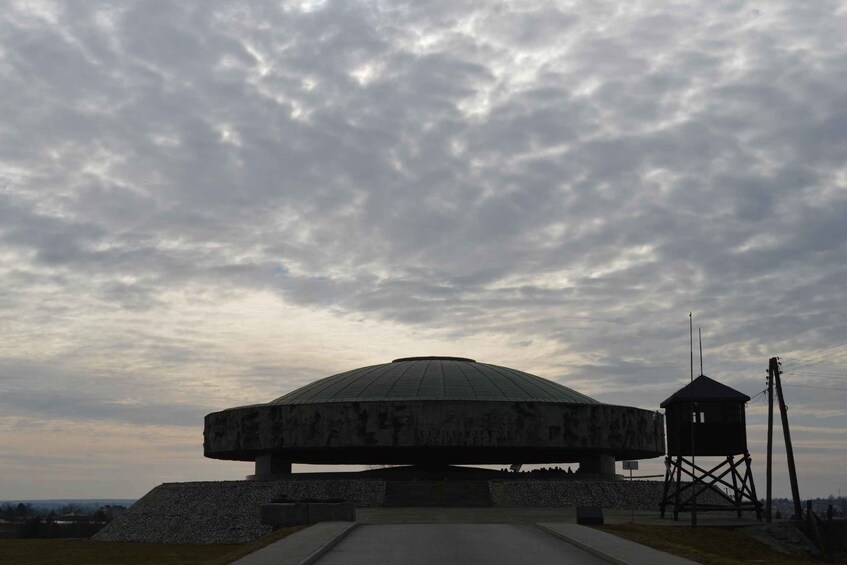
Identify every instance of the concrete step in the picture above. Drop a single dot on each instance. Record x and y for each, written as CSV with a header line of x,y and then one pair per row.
x,y
437,493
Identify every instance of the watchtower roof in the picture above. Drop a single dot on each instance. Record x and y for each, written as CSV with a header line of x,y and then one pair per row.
x,y
704,388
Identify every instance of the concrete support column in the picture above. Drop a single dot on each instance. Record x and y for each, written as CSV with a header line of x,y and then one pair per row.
x,y
600,464
271,464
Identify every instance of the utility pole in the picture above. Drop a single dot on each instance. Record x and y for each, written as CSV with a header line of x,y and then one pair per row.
x,y
789,450
772,368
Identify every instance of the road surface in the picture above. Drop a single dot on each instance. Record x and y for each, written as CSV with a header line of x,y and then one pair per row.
x,y
449,544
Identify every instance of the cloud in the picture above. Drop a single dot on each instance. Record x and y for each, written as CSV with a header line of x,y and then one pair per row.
x,y
576,178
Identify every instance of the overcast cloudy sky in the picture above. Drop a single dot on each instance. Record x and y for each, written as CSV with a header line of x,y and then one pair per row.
x,y
208,204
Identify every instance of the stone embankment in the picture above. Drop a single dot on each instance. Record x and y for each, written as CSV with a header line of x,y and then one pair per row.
x,y
224,512
229,511
615,495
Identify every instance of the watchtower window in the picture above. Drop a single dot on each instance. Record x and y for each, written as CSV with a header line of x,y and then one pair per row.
x,y
698,417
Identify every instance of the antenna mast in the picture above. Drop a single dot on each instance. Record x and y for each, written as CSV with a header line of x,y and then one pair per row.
x,y
693,421
700,335
691,343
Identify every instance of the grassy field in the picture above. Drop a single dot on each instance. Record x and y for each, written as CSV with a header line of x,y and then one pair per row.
x,y
710,546
87,552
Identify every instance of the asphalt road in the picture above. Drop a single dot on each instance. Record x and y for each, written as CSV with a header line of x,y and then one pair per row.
x,y
448,544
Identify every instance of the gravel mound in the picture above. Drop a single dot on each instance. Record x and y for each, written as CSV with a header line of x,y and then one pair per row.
x,y
223,512
228,511
617,495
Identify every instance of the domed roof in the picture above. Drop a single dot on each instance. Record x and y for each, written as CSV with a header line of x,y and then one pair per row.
x,y
433,378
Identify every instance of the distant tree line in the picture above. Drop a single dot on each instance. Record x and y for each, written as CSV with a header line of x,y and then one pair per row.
x,y
24,520
11,511
784,507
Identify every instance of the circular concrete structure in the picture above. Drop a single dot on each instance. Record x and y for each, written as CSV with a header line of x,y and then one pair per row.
x,y
433,411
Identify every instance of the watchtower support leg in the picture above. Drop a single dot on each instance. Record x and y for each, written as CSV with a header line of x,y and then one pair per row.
x,y
667,487
678,463
749,476
736,495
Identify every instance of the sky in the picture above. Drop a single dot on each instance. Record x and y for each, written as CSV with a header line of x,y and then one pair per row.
x,y
210,204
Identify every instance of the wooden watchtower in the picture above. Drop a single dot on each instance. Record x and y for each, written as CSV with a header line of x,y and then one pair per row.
x,y
706,419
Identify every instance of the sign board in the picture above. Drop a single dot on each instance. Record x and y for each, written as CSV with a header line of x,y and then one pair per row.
x,y
630,465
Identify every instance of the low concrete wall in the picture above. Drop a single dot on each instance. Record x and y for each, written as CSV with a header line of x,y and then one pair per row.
x,y
225,512
278,514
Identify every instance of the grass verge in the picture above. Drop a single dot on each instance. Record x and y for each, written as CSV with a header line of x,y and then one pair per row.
x,y
88,552
707,545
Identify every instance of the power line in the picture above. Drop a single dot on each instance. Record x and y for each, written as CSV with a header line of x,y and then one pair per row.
x,y
758,397
819,359
813,354
811,386
823,358
819,375
818,363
